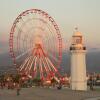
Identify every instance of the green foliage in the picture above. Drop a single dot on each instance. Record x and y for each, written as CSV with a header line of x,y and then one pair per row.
x,y
2,78
53,80
37,81
16,78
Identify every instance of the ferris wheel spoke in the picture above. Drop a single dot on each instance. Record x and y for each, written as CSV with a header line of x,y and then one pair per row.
x,y
48,66
24,53
20,30
35,67
45,67
33,59
26,67
28,64
53,57
31,63
44,64
51,49
41,69
25,62
15,37
25,42
24,23
52,65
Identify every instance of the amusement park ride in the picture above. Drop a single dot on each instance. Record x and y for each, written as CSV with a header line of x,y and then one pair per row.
x,y
36,45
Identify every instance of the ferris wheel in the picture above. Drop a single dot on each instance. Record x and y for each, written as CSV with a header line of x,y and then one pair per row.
x,y
36,44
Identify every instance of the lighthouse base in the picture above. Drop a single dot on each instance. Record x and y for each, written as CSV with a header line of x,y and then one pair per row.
x,y
78,70
79,85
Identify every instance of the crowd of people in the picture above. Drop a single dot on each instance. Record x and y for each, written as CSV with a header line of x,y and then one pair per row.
x,y
16,81
10,81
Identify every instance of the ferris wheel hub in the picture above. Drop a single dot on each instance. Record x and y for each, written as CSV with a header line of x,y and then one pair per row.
x,y
38,50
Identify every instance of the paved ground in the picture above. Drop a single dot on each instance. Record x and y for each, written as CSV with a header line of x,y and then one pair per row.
x,y
97,98
37,93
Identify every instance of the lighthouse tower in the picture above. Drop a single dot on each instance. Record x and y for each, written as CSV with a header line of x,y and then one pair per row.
x,y
78,63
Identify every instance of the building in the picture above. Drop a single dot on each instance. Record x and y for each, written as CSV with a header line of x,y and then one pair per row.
x,y
78,62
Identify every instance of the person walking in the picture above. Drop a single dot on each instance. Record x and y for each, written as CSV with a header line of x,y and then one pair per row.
x,y
18,89
91,83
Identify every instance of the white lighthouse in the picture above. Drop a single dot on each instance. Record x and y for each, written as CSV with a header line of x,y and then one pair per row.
x,y
78,62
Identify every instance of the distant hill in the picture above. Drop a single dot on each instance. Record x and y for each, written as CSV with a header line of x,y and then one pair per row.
x,y
5,62
93,61
5,59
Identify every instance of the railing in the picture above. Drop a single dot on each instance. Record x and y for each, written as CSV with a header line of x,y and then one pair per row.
x,y
77,48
